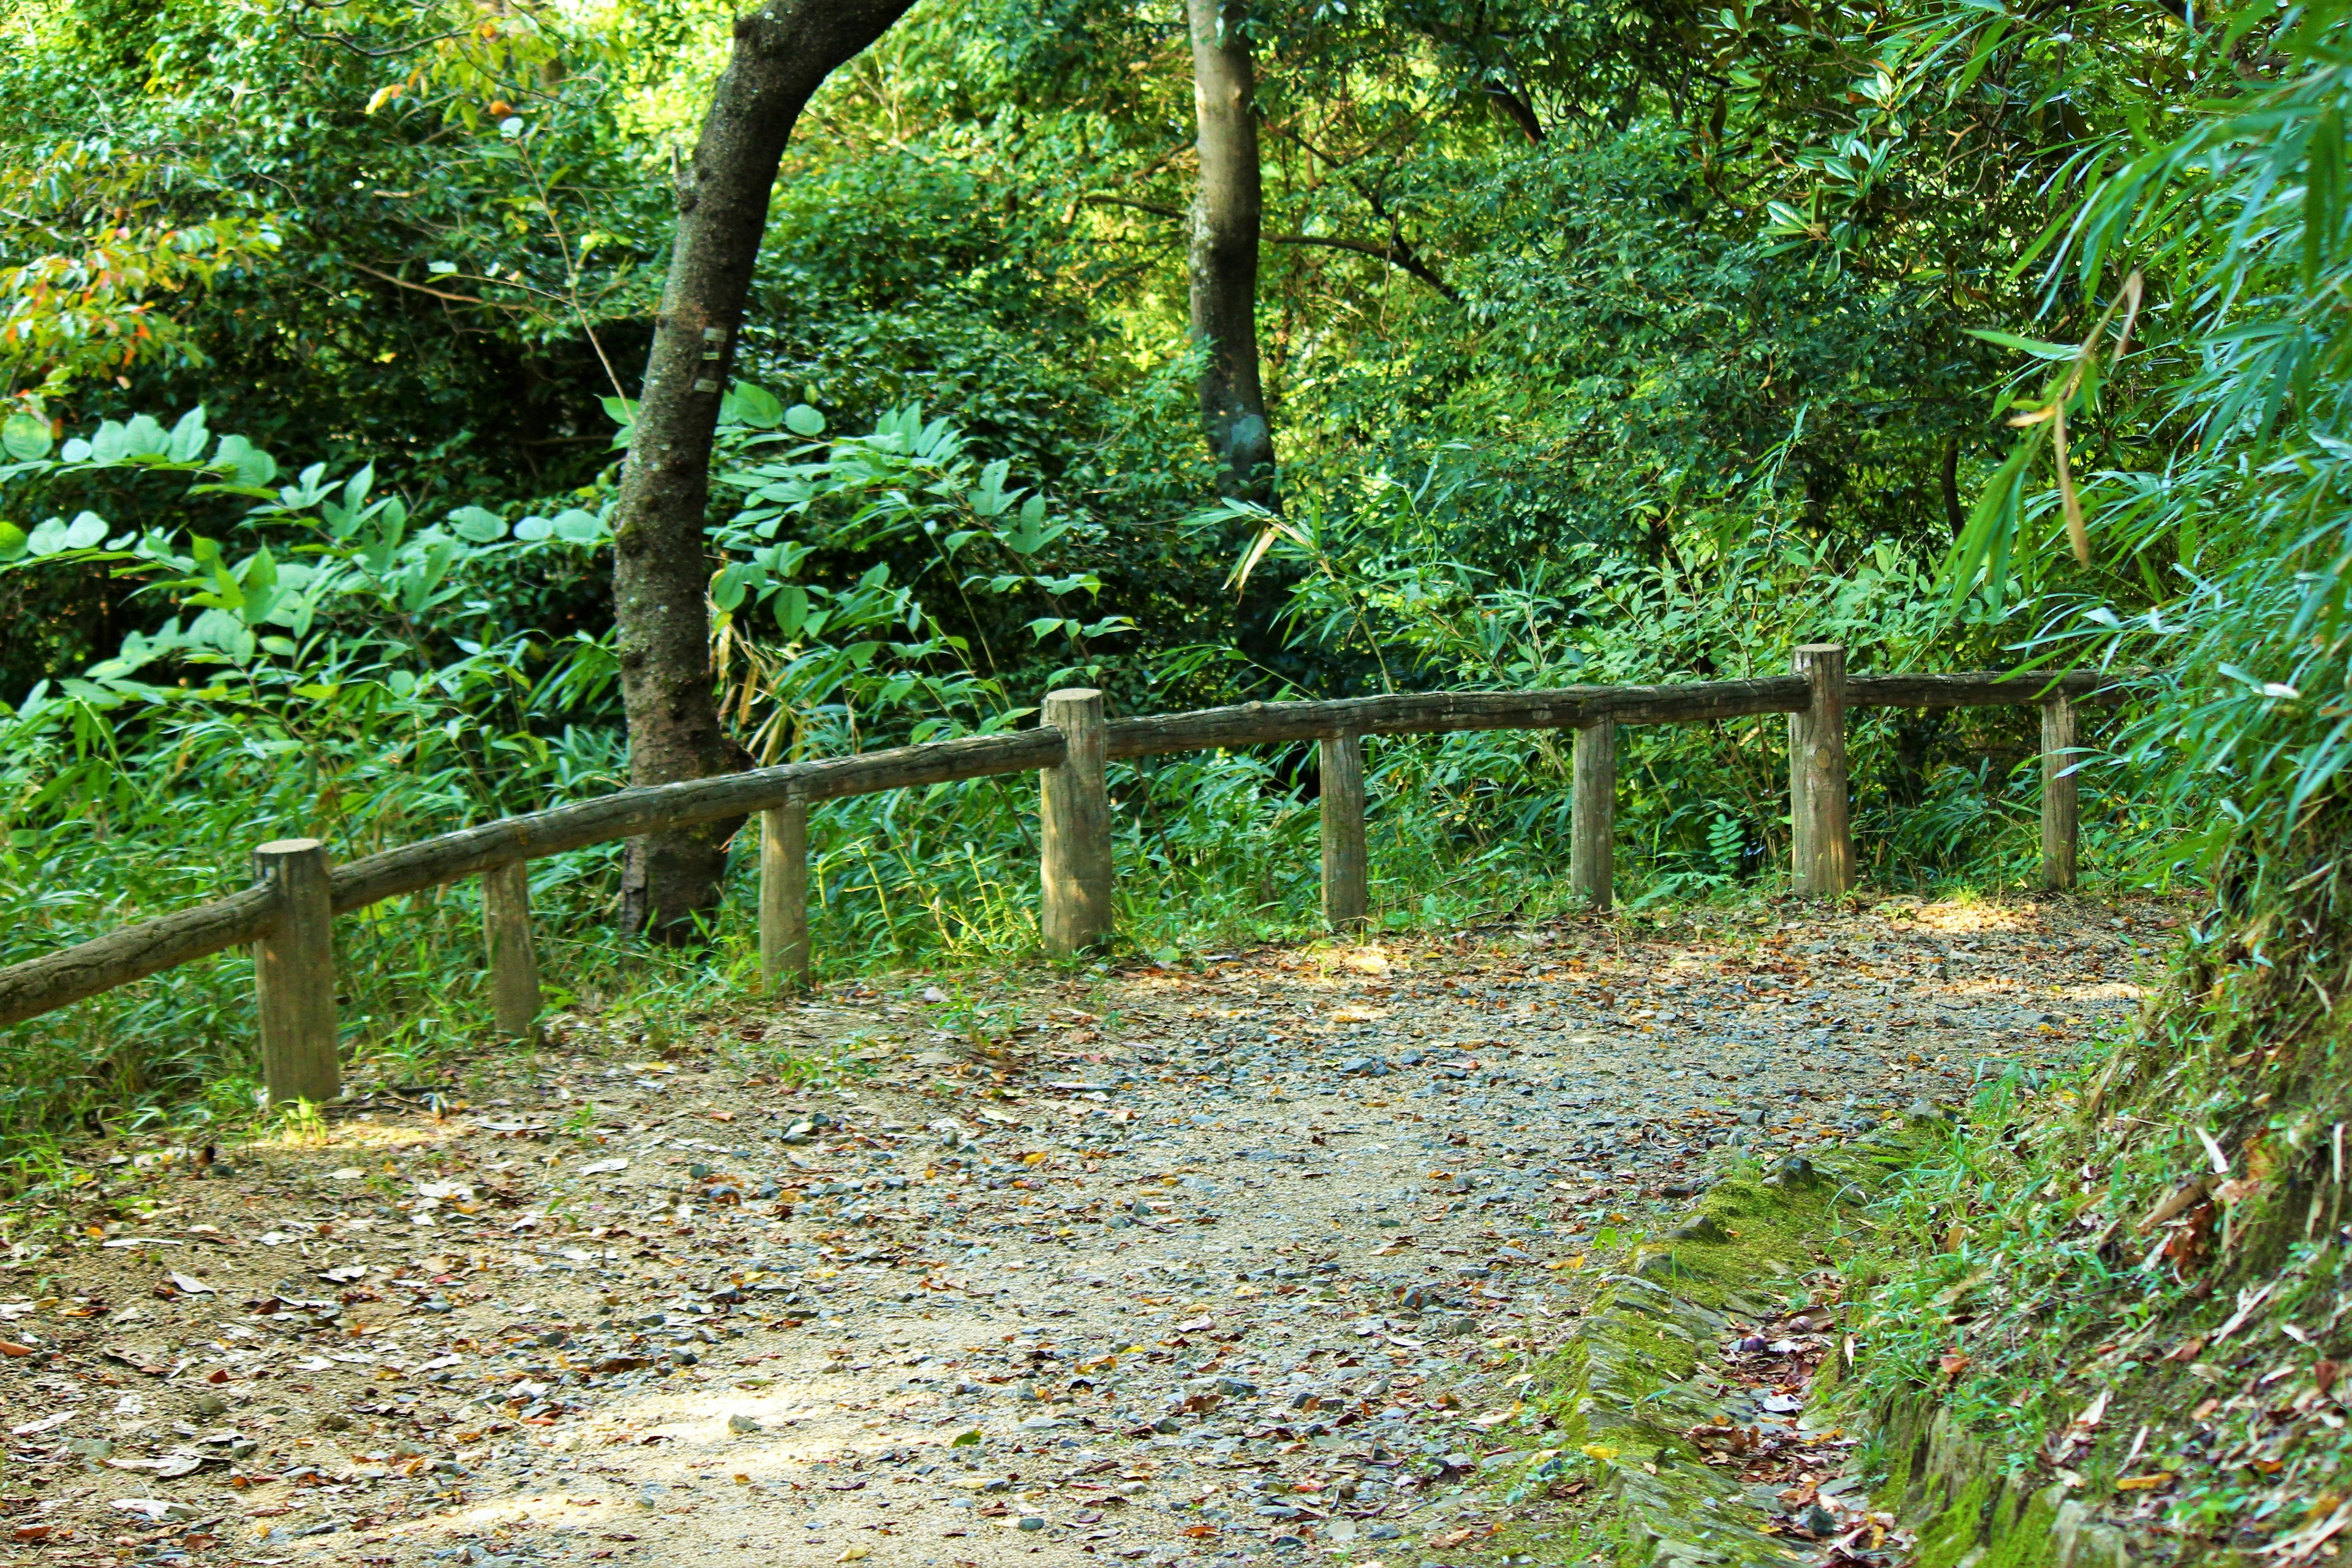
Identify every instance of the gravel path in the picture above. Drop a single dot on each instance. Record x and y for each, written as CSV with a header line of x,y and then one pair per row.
x,y
1154,1265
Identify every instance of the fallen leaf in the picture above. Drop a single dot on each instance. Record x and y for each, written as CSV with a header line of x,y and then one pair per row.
x,y
2145,1483
154,1509
189,1285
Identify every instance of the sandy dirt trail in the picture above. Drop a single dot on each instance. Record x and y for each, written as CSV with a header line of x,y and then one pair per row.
x,y
1237,1263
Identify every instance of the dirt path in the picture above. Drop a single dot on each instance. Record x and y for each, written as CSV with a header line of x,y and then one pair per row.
x,y
1159,1265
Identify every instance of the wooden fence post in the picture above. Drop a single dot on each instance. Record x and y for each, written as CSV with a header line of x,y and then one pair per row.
x,y
514,961
1592,815
2061,801
1821,839
783,896
1347,901
294,974
1074,826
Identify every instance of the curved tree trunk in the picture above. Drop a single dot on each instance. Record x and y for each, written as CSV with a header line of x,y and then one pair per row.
x,y
1224,253
662,567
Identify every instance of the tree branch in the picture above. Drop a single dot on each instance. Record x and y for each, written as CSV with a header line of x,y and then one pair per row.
x,y
437,293
1398,255
1515,110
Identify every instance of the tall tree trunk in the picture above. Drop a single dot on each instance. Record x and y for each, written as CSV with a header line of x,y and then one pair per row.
x,y
662,567
1224,253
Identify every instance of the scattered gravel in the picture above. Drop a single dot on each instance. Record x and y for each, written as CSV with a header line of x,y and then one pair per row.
x,y
1172,1265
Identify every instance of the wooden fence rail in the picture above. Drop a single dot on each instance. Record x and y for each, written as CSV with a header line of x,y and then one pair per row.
x,y
288,917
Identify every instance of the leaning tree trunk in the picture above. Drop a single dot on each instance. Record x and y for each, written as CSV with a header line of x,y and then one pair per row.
x,y
1224,254
662,566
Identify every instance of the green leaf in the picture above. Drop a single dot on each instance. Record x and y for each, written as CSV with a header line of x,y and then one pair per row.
x,y
2034,346
792,609
188,437
24,437
252,464
532,529
734,580
803,420
753,405
145,437
478,524
87,531
577,527
12,542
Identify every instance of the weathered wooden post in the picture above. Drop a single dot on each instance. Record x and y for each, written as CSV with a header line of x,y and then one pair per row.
x,y
1347,901
1821,839
1592,815
2061,801
294,974
783,895
514,961
1073,825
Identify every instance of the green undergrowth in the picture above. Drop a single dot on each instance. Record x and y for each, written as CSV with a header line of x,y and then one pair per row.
x,y
2130,1280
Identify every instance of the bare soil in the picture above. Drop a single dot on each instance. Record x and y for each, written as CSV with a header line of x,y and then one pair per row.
x,y
1241,1262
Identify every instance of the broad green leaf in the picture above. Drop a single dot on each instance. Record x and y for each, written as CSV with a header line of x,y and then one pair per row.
x,y
188,437
252,464
578,527
803,420
753,405
24,437
735,580
144,437
792,609
478,524
87,531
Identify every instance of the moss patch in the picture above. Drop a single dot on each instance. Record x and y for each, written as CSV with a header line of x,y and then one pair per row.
x,y
1644,1369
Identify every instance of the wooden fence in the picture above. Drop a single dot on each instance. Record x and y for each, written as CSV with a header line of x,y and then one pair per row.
x,y
288,916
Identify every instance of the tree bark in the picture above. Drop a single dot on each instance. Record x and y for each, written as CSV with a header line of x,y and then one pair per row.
x,y
1224,253
662,567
